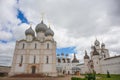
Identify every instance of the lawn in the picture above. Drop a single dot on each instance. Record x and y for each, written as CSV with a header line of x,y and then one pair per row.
x,y
104,77
101,77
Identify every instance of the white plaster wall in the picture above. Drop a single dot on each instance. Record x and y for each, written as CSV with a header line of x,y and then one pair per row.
x,y
20,69
112,65
47,68
96,64
29,37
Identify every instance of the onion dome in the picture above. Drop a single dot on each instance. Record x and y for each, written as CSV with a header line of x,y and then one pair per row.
x,y
75,60
41,27
49,32
97,43
67,55
86,56
30,31
102,45
62,54
95,52
58,54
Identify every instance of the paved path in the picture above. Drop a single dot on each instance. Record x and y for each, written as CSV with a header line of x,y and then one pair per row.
x,y
50,78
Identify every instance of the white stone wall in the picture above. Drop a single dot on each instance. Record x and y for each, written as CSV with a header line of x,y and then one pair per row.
x,y
28,51
112,65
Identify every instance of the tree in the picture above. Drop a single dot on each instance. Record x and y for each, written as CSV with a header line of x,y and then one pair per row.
x,y
108,74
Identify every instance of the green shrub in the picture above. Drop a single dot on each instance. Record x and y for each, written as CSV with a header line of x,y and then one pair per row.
x,y
76,78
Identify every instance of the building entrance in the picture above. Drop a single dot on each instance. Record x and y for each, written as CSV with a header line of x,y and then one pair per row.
x,y
33,69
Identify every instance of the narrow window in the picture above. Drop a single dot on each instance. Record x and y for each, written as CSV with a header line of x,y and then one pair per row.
x,y
47,59
47,45
21,61
23,46
35,45
104,56
34,59
59,61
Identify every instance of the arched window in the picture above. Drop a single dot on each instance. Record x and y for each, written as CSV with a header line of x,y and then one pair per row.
x,y
104,56
23,46
33,69
47,59
35,45
59,61
47,45
34,59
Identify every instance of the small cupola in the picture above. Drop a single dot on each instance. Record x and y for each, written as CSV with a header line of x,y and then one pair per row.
x,y
49,32
75,60
102,45
86,56
95,52
30,31
97,43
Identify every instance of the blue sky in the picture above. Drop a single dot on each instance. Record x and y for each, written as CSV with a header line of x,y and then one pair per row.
x,y
66,50
21,16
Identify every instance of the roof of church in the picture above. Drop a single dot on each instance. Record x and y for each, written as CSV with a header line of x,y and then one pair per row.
x,y
75,60
97,42
49,32
112,57
86,56
95,52
41,27
30,31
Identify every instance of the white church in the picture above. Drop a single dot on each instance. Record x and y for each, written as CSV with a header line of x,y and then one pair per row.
x,y
37,55
100,60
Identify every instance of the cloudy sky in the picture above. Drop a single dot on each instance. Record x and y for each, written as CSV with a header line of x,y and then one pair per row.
x,y
76,23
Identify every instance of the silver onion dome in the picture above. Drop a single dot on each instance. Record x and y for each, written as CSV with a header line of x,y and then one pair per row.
x,y
30,31
41,27
97,43
49,32
102,44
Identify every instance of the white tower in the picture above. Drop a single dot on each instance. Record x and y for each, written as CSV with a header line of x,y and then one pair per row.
x,y
104,51
86,62
96,61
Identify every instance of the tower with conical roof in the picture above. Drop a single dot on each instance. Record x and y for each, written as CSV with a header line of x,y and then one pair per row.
x,y
86,62
75,60
96,61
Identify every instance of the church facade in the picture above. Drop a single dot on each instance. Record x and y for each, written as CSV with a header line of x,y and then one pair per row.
x,y
35,54
100,61
65,65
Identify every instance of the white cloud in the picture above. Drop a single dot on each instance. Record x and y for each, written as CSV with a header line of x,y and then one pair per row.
x,y
6,53
5,36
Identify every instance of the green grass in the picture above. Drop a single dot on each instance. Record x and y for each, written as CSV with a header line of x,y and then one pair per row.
x,y
104,77
76,78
